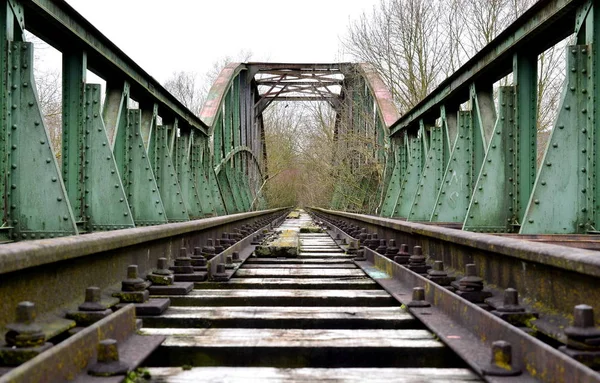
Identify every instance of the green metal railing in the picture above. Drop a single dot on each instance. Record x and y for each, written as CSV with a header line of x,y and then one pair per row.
x,y
476,166
121,167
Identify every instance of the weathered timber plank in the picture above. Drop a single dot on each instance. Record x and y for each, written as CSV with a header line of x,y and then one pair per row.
x,y
288,272
280,297
290,261
285,317
310,375
356,283
300,348
293,266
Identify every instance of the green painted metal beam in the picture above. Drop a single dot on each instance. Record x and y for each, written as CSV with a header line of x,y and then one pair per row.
x,y
73,100
185,176
166,177
566,171
400,148
105,201
414,166
492,208
455,193
210,206
432,175
36,200
142,190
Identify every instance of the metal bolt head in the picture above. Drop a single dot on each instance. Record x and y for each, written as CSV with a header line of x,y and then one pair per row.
x,y
108,351
583,316
162,263
501,361
132,272
24,332
501,353
404,249
183,252
417,250
92,300
209,242
511,297
471,270
418,294
108,360
418,298
228,260
25,312
197,251
235,256
92,294
220,268
438,265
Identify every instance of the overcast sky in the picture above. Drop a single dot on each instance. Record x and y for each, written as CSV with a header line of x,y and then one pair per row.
x,y
167,36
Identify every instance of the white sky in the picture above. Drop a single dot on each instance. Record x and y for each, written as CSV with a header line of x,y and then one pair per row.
x,y
167,36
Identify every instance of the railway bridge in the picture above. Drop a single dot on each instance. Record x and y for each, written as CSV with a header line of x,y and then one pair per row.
x,y
147,251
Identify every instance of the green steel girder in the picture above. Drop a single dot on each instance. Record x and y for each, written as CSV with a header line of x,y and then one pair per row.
x,y
499,201
234,187
105,201
453,198
492,208
567,173
73,135
432,175
474,129
395,183
415,147
133,162
226,191
36,200
184,174
142,190
218,196
210,206
165,173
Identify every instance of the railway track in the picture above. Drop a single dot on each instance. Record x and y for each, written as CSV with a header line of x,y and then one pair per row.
x,y
306,303
324,319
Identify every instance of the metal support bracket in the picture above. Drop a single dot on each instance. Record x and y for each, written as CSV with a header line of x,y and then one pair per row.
x,y
37,205
432,175
410,182
105,202
567,171
166,179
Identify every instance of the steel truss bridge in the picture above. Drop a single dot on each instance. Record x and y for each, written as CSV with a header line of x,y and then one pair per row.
x,y
491,255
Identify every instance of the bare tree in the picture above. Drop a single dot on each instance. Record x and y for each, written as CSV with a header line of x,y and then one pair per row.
x,y
187,89
191,89
404,42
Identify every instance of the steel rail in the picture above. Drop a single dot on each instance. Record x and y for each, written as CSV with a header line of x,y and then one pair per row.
x,y
552,279
466,328
54,273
